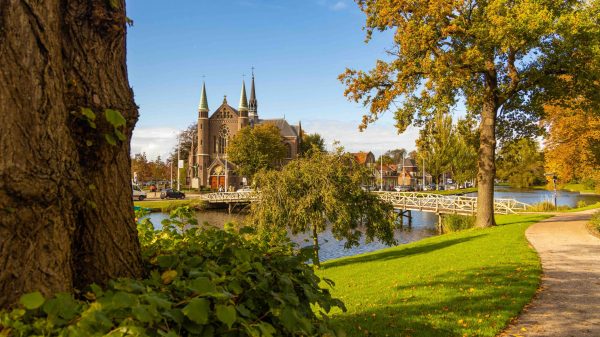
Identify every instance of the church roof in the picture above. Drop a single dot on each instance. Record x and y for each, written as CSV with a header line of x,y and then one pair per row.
x,y
284,127
217,113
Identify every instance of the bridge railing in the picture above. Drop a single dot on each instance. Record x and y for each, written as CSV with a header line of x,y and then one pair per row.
x,y
446,203
428,202
227,197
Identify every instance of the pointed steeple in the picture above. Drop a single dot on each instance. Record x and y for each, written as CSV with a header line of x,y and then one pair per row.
x,y
253,103
243,100
203,107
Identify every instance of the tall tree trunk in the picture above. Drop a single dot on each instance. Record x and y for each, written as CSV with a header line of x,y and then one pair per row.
x,y
316,260
486,156
66,216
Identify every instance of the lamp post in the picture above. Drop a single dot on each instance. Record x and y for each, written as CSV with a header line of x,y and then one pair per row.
x,y
178,168
381,172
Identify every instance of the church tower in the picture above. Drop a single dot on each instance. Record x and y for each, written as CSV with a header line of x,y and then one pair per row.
x,y
243,108
203,136
253,105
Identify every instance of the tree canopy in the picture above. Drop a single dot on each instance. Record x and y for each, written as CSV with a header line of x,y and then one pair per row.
x,y
572,143
311,141
255,148
521,163
503,59
319,191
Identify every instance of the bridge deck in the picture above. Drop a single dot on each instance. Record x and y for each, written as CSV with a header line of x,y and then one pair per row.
x,y
415,201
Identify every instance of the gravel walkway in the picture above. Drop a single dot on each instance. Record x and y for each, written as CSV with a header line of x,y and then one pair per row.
x,y
568,303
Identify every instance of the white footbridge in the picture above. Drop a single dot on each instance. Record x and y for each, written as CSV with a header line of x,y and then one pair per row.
x,y
403,201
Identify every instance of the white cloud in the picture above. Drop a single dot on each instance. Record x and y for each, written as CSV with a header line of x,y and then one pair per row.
x,y
378,137
338,6
158,141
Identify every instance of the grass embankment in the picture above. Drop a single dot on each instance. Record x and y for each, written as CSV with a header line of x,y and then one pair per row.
x,y
452,192
169,205
581,188
547,206
465,283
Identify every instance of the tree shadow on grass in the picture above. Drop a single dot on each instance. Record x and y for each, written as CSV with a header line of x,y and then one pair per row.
x,y
473,302
399,252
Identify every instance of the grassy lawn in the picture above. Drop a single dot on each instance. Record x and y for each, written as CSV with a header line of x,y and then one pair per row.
x,y
577,188
468,283
451,192
168,205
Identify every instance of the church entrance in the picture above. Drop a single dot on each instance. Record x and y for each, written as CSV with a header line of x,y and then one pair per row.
x,y
216,181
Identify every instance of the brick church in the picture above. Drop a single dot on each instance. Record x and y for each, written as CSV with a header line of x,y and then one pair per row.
x,y
217,128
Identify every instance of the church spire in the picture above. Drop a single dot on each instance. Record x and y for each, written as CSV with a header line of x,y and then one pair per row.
x,y
253,103
243,100
203,107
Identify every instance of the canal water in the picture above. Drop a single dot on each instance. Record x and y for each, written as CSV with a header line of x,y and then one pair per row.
x,y
423,224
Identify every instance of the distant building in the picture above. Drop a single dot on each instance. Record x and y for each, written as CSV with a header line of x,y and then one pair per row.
x,y
364,158
215,130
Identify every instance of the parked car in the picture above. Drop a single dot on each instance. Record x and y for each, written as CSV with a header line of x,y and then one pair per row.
x,y
403,188
171,194
245,189
138,193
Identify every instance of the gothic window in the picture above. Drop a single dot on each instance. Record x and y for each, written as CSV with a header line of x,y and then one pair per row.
x,y
223,138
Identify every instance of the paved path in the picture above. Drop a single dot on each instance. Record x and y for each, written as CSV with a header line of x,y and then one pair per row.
x,y
569,301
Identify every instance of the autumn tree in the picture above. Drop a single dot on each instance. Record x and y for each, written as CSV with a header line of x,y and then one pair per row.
x,y
436,145
571,145
503,59
255,148
396,155
319,191
66,117
521,163
311,141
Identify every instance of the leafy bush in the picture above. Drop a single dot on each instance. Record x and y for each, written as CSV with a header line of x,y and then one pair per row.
x,y
455,223
581,204
201,281
595,222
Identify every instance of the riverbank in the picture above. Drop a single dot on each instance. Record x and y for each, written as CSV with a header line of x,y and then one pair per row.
x,y
455,192
169,205
467,283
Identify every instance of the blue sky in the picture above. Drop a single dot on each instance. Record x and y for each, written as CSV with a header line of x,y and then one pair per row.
x,y
298,49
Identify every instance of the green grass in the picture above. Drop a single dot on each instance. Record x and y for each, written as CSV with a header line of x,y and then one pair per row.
x,y
592,206
465,283
169,205
451,192
577,188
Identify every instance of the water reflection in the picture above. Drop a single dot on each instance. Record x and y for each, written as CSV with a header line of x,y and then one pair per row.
x,y
531,196
423,225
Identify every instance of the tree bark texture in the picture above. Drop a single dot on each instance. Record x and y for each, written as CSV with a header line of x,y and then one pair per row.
x,y
486,155
66,212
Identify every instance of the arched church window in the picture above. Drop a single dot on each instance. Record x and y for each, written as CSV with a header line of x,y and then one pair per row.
x,y
289,150
223,138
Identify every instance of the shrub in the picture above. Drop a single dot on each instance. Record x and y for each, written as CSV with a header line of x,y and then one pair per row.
x,y
455,223
581,204
595,222
201,281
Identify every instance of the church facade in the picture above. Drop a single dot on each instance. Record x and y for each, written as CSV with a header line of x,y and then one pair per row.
x,y
215,129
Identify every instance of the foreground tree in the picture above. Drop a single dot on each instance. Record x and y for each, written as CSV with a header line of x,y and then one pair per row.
x,y
503,58
66,116
256,148
320,190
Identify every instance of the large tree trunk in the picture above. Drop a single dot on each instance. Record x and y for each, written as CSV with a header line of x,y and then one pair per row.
x,y
486,156
66,216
